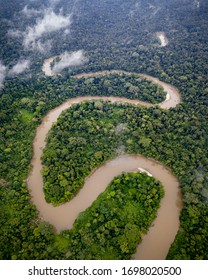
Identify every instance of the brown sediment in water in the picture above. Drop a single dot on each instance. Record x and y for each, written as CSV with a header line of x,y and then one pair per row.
x,y
156,243
46,68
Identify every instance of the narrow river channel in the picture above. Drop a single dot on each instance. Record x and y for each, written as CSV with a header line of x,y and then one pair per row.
x,y
156,243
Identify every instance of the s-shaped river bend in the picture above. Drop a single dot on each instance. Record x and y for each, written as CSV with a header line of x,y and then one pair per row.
x,y
157,241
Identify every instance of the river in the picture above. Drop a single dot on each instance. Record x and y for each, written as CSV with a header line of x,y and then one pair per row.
x,y
46,68
172,94
156,243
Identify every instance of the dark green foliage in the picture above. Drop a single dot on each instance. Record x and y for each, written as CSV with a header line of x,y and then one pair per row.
x,y
100,131
22,234
112,227
120,37
129,86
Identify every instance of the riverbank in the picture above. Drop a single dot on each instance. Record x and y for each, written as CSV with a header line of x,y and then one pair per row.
x,y
172,93
63,217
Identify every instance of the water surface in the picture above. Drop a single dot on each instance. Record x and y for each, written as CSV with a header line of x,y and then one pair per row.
x,y
156,243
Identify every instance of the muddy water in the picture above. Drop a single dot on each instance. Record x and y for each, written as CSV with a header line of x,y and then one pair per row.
x,y
156,243
46,68
172,93
163,39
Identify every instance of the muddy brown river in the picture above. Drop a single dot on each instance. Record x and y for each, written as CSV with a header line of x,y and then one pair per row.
x,y
157,241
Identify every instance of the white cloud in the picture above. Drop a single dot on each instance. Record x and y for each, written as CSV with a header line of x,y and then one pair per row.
x,y
68,60
42,47
20,67
14,33
2,73
50,22
66,31
30,12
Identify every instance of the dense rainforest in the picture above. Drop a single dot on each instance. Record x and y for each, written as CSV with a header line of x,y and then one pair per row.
x,y
112,35
113,225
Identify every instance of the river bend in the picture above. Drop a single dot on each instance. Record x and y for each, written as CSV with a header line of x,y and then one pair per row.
x,y
156,243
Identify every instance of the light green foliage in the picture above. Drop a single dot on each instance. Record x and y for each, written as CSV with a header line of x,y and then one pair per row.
x,y
113,225
122,37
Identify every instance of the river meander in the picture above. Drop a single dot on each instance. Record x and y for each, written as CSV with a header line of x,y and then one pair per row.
x,y
156,243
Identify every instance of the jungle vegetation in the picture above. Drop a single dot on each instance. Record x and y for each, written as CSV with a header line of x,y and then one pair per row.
x,y
115,35
113,225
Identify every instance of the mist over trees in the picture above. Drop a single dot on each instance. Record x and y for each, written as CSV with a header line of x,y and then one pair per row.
x,y
112,35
